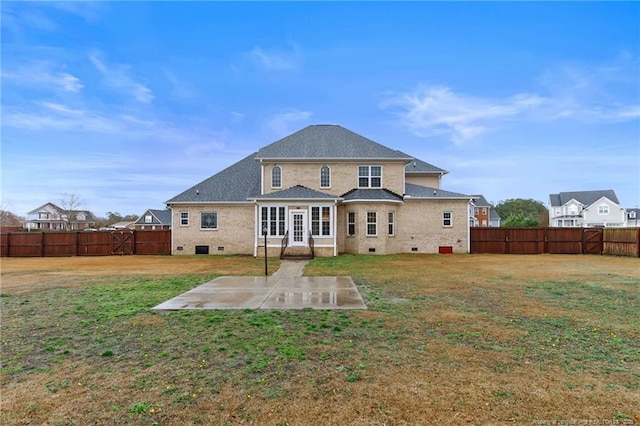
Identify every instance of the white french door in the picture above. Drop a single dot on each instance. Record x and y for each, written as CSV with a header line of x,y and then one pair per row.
x,y
297,228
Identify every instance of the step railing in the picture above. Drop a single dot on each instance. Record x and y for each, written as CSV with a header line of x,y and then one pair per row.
x,y
283,244
311,245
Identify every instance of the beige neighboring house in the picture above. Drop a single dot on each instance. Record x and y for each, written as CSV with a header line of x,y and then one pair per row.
x,y
323,190
51,217
586,209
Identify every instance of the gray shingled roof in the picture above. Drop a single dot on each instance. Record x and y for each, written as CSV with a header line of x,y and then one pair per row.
x,y
480,201
235,183
585,197
371,194
493,214
419,191
297,192
325,141
419,166
159,217
90,217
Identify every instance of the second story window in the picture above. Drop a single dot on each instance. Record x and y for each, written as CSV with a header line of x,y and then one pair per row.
x,y
370,176
603,209
276,177
325,177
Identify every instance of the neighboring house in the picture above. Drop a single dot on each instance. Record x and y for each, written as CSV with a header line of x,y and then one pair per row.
x,y
327,187
51,217
633,217
484,214
586,209
154,220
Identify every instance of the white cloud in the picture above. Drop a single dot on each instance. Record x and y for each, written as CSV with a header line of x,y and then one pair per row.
x,y
43,74
437,110
118,77
276,59
281,123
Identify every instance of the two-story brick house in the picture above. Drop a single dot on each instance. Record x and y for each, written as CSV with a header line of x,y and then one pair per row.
x,y
484,215
327,187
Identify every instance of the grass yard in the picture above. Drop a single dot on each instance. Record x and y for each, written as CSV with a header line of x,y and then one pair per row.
x,y
447,339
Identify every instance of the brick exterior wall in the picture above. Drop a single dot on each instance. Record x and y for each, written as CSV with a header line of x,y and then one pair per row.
x,y
431,181
418,225
344,176
236,229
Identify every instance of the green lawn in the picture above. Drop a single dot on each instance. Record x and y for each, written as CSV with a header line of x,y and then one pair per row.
x,y
453,339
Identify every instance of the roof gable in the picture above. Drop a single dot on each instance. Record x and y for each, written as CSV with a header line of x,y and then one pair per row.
x,y
158,217
325,141
586,198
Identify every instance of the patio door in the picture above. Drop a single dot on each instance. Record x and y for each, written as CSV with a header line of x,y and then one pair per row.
x,y
297,228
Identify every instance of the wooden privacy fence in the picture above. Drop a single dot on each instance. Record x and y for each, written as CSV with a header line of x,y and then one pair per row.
x,y
616,241
101,243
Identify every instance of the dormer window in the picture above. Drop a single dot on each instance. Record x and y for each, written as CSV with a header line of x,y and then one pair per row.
x,y
632,215
276,177
370,176
325,177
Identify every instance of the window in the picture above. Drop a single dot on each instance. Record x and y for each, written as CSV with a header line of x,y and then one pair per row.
x,y
148,218
372,224
184,218
447,219
274,219
632,215
392,224
321,221
484,210
351,223
325,177
209,220
603,209
573,210
276,177
476,211
370,176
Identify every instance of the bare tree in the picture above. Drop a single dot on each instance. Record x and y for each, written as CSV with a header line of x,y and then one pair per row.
x,y
69,203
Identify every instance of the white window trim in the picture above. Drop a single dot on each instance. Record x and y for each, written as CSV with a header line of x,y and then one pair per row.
x,y
269,219
355,224
603,209
209,229
329,186
450,219
272,170
331,219
183,218
369,177
374,223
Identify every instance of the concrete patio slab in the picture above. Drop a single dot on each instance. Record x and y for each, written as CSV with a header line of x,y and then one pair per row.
x,y
285,289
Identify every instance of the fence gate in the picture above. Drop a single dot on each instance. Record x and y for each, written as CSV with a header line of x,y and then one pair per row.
x,y
592,241
122,242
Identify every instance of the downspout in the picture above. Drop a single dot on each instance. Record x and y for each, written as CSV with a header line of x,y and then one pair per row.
x,y
172,233
255,231
469,226
335,228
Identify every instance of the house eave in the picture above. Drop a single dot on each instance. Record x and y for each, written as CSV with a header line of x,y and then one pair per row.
x,y
198,203
294,200
332,159
364,200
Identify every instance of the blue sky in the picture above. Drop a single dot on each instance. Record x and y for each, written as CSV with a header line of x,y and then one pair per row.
x,y
129,103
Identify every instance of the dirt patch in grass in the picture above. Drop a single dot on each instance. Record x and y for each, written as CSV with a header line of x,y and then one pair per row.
x,y
446,340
